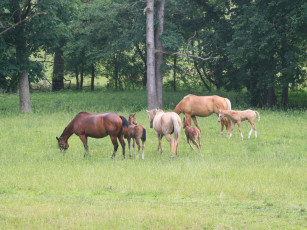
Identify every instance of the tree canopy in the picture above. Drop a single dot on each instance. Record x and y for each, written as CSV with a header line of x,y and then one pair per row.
x,y
255,45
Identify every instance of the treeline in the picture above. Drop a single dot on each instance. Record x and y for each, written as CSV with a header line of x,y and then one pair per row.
x,y
256,45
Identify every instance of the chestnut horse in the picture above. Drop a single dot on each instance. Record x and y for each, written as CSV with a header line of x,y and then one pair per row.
x,y
203,106
98,125
136,132
165,124
192,133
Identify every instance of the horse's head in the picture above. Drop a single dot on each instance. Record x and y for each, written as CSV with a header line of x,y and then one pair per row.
x,y
185,122
151,115
63,145
132,119
221,115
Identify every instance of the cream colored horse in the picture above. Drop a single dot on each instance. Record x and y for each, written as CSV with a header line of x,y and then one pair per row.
x,y
237,116
165,124
203,106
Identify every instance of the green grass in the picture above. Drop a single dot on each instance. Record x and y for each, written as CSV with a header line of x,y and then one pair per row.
x,y
252,184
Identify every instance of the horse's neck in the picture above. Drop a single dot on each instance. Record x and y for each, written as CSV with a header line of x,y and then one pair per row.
x,y
68,131
177,108
129,121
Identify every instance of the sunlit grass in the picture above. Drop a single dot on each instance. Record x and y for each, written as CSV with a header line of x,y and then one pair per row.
x,y
256,183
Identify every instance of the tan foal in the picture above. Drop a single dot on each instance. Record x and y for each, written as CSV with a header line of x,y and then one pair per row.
x,y
237,116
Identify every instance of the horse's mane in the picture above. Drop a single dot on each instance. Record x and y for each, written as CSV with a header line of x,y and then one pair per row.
x,y
125,122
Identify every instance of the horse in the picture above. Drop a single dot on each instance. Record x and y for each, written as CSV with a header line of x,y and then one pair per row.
x,y
192,133
136,132
237,116
203,106
98,125
165,124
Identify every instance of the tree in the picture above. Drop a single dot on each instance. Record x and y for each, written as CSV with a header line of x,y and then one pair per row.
x,y
266,46
159,55
150,44
21,12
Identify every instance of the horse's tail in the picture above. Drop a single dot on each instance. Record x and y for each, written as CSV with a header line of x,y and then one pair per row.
x,y
143,138
125,124
176,137
257,114
228,104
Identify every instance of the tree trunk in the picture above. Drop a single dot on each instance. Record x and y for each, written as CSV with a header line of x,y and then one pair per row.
x,y
93,77
174,69
145,64
284,98
152,102
81,77
77,78
271,97
24,93
159,55
22,57
58,70
116,72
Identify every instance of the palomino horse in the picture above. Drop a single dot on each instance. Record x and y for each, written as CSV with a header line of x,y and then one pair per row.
x,y
192,133
165,124
238,116
95,125
136,132
203,106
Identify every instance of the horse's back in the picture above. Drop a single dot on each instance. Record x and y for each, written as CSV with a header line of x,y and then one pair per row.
x,y
167,122
97,124
200,105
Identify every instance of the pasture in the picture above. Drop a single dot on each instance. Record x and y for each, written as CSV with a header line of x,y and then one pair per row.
x,y
252,184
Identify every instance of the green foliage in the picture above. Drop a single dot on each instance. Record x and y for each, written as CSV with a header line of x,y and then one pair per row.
x,y
258,46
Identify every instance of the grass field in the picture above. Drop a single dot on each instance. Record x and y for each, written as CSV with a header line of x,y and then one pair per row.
x,y
252,184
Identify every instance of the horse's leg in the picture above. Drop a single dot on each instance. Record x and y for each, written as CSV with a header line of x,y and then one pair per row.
x,y
195,122
129,146
223,123
191,144
139,147
143,147
228,125
159,139
199,141
239,127
83,138
253,127
122,142
195,143
251,131
169,139
133,146
232,127
115,144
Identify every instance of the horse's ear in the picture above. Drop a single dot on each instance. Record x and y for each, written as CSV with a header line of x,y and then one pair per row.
x,y
57,138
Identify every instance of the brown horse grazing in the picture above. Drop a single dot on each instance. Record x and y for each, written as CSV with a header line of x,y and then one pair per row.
x,y
136,132
237,116
165,124
192,133
203,106
95,125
